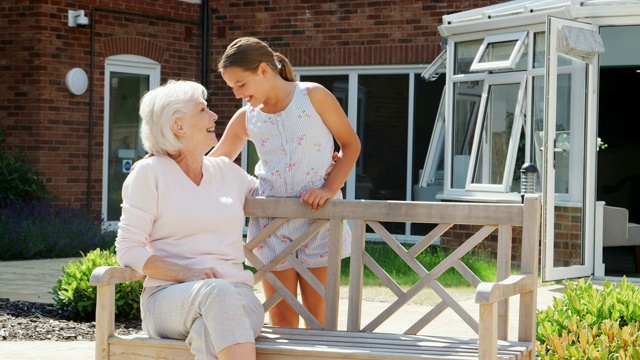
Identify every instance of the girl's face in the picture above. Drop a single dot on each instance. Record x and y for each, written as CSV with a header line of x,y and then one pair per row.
x,y
246,85
199,127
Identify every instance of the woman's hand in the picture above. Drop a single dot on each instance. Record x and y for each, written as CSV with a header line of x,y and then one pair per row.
x,y
202,274
160,268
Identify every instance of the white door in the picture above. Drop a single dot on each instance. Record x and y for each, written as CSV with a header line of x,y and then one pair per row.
x,y
127,78
569,146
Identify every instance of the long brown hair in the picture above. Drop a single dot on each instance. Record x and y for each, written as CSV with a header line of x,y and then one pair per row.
x,y
248,53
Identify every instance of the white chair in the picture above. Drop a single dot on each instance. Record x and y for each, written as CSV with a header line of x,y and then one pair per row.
x,y
618,231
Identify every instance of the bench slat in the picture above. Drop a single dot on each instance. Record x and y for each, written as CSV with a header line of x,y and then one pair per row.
x,y
314,344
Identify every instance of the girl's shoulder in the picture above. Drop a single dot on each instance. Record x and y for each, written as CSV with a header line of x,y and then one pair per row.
x,y
310,86
317,93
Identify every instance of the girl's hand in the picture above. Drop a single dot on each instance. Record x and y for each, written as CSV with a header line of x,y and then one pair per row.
x,y
316,198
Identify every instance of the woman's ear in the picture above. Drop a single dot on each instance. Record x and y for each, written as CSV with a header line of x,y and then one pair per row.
x,y
177,128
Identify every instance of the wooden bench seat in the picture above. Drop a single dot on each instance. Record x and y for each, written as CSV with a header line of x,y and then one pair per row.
x,y
360,339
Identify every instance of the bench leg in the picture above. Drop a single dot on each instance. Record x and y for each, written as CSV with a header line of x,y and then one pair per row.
x,y
488,331
105,319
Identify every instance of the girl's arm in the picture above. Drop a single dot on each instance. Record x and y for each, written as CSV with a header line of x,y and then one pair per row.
x,y
336,120
234,138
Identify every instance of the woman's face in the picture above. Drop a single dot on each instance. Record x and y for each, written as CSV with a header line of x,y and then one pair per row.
x,y
199,128
246,85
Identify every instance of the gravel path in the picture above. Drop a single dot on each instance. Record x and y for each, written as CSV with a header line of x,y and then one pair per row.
x,y
34,321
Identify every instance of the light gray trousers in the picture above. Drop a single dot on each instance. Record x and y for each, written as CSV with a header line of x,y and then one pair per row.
x,y
208,314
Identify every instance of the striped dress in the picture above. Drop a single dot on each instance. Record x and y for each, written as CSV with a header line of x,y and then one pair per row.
x,y
295,149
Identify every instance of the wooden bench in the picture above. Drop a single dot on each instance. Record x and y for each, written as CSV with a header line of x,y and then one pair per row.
x,y
360,339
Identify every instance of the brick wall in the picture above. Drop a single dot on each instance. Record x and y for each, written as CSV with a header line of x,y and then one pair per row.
x,y
64,133
567,242
458,234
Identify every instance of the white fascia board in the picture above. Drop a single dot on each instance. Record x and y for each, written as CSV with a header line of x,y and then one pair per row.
x,y
502,23
603,10
479,13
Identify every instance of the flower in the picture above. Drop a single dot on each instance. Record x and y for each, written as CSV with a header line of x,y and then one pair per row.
x,y
600,144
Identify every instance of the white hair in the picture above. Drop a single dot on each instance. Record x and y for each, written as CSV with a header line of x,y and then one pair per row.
x,y
160,107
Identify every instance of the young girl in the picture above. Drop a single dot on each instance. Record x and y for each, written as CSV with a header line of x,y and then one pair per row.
x,y
293,125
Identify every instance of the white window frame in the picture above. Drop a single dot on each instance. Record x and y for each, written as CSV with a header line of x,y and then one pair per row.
x,y
435,152
516,130
436,67
520,39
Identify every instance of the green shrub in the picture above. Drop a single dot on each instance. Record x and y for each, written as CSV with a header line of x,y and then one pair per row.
x,y
591,323
74,295
18,181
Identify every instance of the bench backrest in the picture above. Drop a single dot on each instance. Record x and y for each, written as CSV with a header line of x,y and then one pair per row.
x,y
369,215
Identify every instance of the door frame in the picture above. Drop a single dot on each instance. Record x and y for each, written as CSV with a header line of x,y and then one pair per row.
x,y
131,64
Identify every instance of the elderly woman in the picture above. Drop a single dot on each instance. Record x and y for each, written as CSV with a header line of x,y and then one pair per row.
x,y
181,225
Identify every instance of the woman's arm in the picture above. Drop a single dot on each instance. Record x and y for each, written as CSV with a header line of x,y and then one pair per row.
x,y
234,137
336,120
159,268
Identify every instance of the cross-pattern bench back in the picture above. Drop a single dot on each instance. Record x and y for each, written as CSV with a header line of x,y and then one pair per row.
x,y
371,215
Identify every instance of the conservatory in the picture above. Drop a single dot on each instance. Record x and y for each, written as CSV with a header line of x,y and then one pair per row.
x,y
551,83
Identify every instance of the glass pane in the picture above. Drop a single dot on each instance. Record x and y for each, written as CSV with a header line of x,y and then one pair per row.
x,y
124,145
497,125
465,53
563,134
515,185
384,135
537,145
466,100
569,153
539,44
521,65
426,105
427,97
498,51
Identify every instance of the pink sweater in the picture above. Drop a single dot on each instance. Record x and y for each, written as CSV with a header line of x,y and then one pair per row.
x,y
165,214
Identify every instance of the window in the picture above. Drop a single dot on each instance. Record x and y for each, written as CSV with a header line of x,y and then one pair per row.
x,y
436,67
466,101
499,52
485,130
498,131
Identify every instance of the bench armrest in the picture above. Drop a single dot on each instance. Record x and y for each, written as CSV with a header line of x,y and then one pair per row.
x,y
111,275
488,297
106,278
491,292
